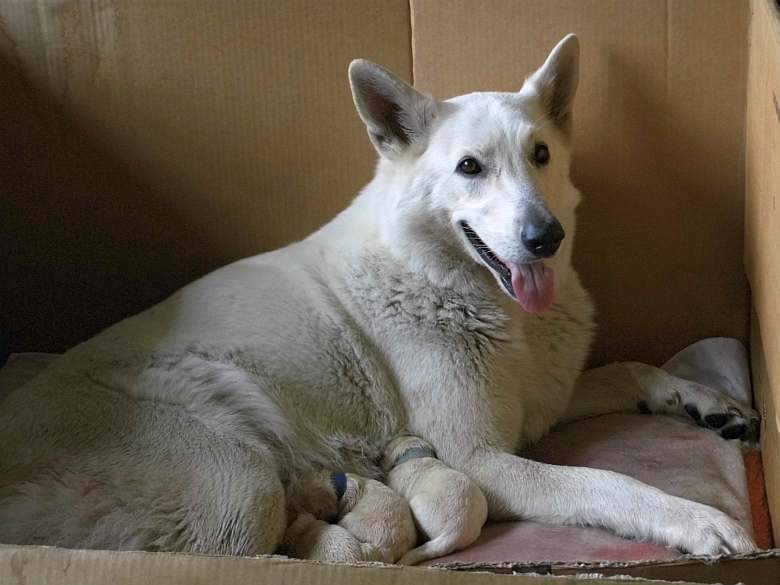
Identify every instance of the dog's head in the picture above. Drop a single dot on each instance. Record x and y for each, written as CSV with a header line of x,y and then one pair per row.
x,y
481,178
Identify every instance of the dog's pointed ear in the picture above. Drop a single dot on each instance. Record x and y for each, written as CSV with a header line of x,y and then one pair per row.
x,y
555,82
396,115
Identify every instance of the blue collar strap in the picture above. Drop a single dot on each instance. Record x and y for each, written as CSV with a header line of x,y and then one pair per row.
x,y
339,481
414,453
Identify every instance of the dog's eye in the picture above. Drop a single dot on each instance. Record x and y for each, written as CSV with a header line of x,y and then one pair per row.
x,y
541,154
469,166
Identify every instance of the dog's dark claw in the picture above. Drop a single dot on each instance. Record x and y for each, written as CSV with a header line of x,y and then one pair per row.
x,y
716,420
693,412
734,432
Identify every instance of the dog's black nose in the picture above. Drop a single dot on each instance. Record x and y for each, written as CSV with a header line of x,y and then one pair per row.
x,y
543,238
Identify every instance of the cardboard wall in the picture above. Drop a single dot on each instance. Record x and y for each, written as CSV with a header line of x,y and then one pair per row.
x,y
659,138
762,242
146,143
166,138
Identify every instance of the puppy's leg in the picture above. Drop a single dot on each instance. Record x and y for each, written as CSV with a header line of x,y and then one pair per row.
x,y
518,488
437,547
637,387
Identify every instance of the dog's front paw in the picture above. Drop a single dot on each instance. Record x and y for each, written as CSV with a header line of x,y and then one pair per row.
x,y
708,408
703,530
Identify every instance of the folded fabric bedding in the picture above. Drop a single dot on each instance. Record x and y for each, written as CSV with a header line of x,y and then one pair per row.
x,y
673,455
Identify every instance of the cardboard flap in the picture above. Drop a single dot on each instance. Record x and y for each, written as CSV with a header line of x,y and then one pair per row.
x,y
762,233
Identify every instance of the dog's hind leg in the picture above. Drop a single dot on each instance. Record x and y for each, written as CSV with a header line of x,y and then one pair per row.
x,y
637,387
147,477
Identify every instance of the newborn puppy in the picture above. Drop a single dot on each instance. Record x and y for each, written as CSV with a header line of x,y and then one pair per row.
x,y
368,513
448,507
313,539
375,514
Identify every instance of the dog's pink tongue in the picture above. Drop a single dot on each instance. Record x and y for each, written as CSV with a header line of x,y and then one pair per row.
x,y
534,286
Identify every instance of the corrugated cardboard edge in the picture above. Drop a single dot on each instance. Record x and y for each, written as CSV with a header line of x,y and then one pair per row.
x,y
759,568
33,565
762,234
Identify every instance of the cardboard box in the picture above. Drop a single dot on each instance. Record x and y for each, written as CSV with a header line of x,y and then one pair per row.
x,y
32,565
149,142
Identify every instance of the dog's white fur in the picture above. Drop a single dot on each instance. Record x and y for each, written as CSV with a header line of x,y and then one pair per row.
x,y
177,429
448,507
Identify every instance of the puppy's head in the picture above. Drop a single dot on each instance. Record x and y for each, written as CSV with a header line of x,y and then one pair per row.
x,y
399,446
481,179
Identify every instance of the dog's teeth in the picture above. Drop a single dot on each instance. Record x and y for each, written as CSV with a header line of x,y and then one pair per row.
x,y
487,254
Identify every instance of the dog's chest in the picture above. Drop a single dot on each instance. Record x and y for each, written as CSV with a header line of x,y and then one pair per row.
x,y
484,360
548,353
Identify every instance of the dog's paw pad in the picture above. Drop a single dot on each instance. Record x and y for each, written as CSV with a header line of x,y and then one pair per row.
x,y
702,405
718,412
737,431
734,424
716,421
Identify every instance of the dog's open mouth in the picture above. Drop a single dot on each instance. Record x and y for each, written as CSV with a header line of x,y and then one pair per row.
x,y
489,257
531,285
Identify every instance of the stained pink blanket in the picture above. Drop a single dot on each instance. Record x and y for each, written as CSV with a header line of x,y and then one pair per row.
x,y
672,455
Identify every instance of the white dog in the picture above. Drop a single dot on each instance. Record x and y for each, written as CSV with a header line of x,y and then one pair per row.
x,y
449,508
441,303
